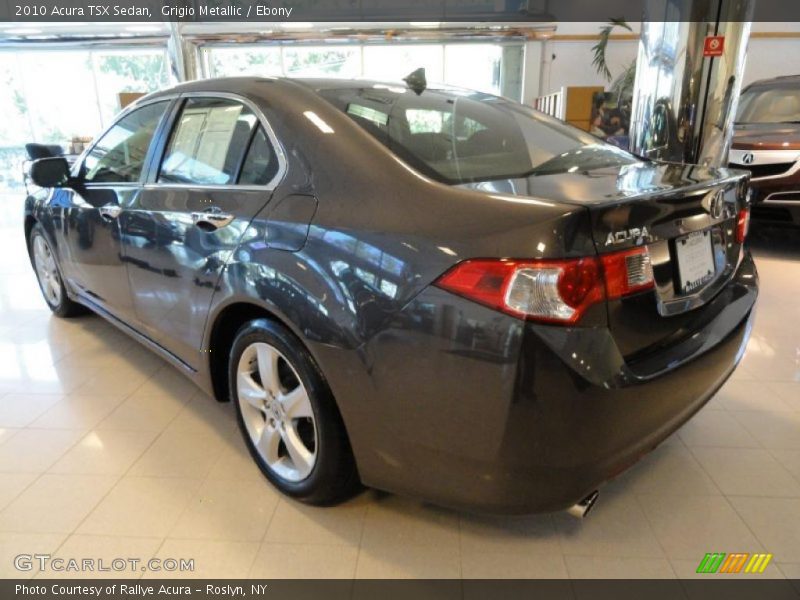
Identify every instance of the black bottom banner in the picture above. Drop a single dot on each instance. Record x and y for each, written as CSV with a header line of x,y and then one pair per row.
x,y
108,589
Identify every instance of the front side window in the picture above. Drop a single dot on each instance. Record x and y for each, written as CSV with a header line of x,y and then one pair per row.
x,y
119,156
209,142
456,136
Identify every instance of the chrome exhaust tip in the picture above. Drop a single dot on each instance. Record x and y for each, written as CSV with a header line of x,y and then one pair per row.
x,y
582,508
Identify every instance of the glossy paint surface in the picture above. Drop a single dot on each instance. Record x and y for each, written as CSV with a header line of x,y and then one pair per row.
x,y
174,266
344,249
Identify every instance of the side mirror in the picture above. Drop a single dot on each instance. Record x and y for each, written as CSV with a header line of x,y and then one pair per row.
x,y
36,151
49,172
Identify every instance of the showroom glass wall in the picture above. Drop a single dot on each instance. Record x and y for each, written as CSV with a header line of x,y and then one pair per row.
x,y
474,65
50,96
53,95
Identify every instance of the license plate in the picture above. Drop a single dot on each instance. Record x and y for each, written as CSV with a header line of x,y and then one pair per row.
x,y
695,260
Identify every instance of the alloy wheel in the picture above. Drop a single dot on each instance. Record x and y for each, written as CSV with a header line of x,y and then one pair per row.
x,y
46,270
276,411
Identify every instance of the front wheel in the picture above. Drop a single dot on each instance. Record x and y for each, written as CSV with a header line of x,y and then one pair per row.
x,y
288,416
49,277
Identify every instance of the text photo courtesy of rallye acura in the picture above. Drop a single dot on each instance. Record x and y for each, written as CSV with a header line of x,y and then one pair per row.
x,y
427,290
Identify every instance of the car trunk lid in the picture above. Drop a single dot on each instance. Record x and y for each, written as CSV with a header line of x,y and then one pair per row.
x,y
686,216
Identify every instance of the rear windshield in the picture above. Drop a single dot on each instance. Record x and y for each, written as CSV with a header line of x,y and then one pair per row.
x,y
762,104
458,136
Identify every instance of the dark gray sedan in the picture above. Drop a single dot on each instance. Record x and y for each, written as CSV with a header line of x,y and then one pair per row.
x,y
431,291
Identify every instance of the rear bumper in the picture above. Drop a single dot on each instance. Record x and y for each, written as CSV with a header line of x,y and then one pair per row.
x,y
501,416
589,429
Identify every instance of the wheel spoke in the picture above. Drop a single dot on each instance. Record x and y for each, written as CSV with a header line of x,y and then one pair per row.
x,y
38,250
51,289
46,271
268,368
50,262
250,391
296,404
268,444
302,458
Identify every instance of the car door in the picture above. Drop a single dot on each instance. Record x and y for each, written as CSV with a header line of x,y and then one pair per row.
x,y
106,181
217,170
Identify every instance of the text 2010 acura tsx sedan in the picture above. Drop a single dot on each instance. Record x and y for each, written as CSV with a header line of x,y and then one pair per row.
x,y
431,291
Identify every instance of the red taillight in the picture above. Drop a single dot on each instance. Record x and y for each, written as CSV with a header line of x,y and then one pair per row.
x,y
742,225
555,291
484,281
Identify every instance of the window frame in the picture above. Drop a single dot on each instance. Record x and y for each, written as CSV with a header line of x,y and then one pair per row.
x,y
250,142
164,137
79,167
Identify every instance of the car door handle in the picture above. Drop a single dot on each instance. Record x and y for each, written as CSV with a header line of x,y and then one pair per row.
x,y
110,211
211,220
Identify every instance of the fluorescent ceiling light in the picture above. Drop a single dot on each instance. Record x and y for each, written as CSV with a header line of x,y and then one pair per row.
x,y
144,28
23,31
57,24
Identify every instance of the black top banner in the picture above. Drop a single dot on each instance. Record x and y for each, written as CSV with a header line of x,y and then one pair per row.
x,y
490,11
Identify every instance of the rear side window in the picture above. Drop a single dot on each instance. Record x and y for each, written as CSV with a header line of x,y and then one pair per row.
x,y
261,163
118,157
208,143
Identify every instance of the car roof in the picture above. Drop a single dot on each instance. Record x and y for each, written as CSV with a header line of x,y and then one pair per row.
x,y
219,84
230,84
333,83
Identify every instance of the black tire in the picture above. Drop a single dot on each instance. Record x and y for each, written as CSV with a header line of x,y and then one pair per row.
x,y
60,304
333,477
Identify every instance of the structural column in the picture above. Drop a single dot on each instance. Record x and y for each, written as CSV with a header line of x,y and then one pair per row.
x,y
688,79
184,56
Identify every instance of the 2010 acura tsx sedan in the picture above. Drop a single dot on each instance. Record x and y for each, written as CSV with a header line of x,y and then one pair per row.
x,y
432,291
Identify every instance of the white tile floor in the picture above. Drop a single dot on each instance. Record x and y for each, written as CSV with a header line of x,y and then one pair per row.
x,y
105,451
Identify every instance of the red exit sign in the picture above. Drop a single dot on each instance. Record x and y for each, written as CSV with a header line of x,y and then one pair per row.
x,y
714,45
